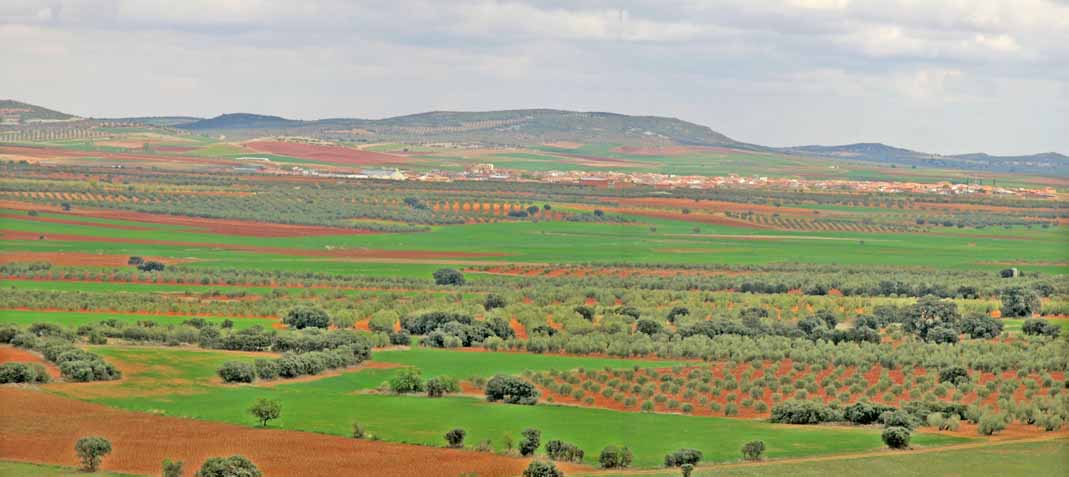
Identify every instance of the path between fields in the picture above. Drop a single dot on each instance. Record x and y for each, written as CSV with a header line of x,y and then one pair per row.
x,y
834,457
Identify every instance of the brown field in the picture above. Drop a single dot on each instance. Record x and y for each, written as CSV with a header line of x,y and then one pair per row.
x,y
10,354
47,426
332,154
75,259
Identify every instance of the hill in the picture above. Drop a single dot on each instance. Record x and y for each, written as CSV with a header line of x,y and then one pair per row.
x,y
512,127
1049,162
13,113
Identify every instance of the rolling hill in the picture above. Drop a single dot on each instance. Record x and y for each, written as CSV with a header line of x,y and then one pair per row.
x,y
881,153
16,113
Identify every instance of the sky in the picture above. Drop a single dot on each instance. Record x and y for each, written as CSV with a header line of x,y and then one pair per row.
x,y
943,76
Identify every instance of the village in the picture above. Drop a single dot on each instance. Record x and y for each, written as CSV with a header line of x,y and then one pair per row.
x,y
620,180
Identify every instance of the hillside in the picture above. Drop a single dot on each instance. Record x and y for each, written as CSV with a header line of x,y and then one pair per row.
x,y
1050,162
526,126
17,113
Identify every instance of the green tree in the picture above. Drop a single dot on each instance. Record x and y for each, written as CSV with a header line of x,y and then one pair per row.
x,y
91,450
233,466
540,468
172,468
306,317
753,450
455,438
615,457
1019,301
896,437
448,276
265,410
532,438
408,380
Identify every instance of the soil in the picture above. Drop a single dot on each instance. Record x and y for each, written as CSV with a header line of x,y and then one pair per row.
x,y
11,354
46,427
332,154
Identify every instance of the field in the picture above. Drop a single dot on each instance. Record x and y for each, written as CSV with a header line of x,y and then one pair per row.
x,y
651,318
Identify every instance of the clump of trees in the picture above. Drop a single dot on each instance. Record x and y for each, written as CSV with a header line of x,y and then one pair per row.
x,y
511,390
306,317
615,457
563,451
233,466
803,412
682,456
448,276
542,469
30,373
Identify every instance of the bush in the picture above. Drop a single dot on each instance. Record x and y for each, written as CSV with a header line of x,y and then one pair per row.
x,y
448,276
613,457
237,372
233,466
455,438
511,390
494,300
358,431
1040,327
400,338
151,266
686,469
682,456
542,469
91,450
991,423
563,451
23,373
955,375
172,468
981,326
865,413
266,368
936,420
265,410
407,381
753,450
898,418
803,412
441,385
306,317
896,437
1018,302
532,438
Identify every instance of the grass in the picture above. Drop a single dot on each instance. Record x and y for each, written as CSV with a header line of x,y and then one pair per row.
x,y
73,319
330,405
1029,458
24,469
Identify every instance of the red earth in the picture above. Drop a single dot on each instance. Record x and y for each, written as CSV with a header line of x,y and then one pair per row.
x,y
46,427
11,354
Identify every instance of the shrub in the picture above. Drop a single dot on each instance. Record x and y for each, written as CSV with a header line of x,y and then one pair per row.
x,y
306,317
172,468
1018,301
1040,327
532,438
753,450
955,375
542,469
991,423
936,420
266,368
441,385
408,380
265,410
981,326
896,437
614,457
898,418
864,413
494,300
448,276
233,466
455,438
563,451
511,390
91,450
803,412
358,431
23,373
686,469
237,372
682,456
151,266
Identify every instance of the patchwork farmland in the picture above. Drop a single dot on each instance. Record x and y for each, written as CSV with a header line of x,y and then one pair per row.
x,y
164,295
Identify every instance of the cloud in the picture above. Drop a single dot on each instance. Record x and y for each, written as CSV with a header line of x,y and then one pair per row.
x,y
766,71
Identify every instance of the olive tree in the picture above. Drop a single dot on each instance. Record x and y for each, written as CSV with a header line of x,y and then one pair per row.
x,y
233,466
91,450
265,410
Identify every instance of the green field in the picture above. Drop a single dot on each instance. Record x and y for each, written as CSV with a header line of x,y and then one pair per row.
x,y
23,469
330,405
1031,458
75,319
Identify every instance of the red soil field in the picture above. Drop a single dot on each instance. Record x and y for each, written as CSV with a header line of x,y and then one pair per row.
x,y
59,153
216,226
47,426
332,154
335,253
75,259
11,354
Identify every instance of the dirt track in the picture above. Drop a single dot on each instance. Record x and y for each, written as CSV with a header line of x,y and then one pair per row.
x,y
39,427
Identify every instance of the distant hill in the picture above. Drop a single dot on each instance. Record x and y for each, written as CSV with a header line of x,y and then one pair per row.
x,y
167,121
513,127
1049,162
17,113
